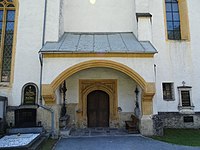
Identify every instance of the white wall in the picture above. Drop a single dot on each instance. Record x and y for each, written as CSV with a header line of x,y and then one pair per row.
x,y
142,6
61,18
176,61
126,86
29,38
52,20
144,29
103,16
194,15
143,66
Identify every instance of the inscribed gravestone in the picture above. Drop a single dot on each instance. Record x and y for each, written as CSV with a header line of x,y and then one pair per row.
x,y
29,95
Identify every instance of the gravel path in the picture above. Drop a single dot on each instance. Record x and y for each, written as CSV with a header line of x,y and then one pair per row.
x,y
116,143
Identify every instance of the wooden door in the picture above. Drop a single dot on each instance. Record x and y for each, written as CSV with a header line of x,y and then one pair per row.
x,y
98,109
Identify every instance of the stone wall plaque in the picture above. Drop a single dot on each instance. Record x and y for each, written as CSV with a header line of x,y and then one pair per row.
x,y
29,94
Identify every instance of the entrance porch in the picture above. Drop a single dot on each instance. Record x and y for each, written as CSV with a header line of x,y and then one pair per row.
x,y
119,90
114,63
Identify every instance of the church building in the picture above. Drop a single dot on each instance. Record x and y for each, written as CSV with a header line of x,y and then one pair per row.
x,y
97,63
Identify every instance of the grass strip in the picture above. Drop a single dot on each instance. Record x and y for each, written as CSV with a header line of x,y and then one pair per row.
x,y
48,144
188,137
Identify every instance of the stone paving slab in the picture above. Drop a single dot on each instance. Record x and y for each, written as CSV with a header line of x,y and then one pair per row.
x,y
116,143
17,140
87,132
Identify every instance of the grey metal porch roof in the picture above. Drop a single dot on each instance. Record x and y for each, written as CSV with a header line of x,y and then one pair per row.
x,y
98,43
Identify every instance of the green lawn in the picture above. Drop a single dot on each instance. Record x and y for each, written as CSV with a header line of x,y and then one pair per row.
x,y
189,137
48,144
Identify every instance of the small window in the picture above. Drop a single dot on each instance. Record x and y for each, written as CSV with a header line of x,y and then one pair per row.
x,y
168,91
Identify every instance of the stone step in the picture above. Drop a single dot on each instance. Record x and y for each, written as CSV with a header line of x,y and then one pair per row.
x,y
97,132
26,130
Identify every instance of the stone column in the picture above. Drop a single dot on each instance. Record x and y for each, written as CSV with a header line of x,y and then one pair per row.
x,y
146,124
48,93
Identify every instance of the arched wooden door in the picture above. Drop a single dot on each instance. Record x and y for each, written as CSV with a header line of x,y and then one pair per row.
x,y
98,109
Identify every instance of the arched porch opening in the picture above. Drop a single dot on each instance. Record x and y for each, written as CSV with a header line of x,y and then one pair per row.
x,y
148,91
148,88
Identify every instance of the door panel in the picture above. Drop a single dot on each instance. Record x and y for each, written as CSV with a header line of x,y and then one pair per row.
x,y
98,109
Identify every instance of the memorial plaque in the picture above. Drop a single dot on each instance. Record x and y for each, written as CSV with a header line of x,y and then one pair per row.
x,y
29,94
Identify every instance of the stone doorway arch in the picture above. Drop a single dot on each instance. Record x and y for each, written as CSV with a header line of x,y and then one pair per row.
x,y
86,87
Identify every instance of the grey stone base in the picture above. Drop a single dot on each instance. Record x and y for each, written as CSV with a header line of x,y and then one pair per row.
x,y
146,125
174,120
149,125
178,120
157,125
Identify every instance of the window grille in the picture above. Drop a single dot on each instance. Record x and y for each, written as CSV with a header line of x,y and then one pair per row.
x,y
7,21
168,91
185,96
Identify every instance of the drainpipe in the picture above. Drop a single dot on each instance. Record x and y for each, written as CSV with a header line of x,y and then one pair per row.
x,y
41,70
44,23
